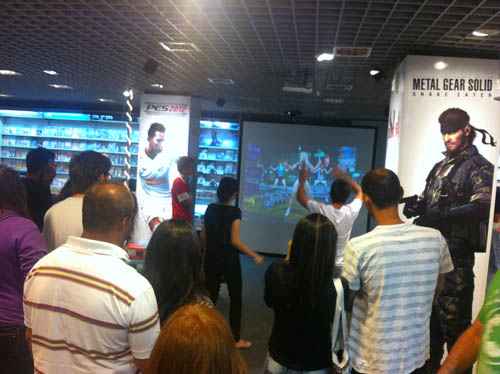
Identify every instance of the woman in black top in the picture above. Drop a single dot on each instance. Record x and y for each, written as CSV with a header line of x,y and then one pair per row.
x,y
173,266
302,295
221,234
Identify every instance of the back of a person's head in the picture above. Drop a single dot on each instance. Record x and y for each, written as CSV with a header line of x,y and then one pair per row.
x,y
226,189
340,191
86,168
173,265
38,159
12,191
383,188
105,206
312,257
184,163
196,339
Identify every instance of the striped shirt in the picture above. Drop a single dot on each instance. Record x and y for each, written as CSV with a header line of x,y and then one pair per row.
x,y
88,310
394,269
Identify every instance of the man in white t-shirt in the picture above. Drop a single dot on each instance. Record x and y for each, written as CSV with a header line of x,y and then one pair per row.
x,y
64,219
341,214
394,271
86,310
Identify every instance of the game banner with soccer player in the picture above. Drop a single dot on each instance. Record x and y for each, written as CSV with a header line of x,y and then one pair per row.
x,y
448,127
163,138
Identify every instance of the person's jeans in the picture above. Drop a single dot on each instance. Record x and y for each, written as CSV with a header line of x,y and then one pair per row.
x,y
15,354
272,367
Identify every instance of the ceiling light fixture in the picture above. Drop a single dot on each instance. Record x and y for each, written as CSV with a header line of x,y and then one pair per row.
x,y
179,47
51,72
325,57
157,85
374,72
5,95
103,100
479,34
440,65
61,86
9,72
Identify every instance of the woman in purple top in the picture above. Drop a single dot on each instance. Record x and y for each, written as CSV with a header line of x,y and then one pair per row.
x,y
21,246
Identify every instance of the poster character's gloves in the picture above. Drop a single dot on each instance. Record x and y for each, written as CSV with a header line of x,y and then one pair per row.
x,y
432,217
413,206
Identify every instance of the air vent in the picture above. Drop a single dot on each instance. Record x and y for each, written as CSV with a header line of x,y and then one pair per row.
x,y
354,52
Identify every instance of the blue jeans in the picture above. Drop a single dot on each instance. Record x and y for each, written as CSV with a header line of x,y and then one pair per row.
x,y
272,367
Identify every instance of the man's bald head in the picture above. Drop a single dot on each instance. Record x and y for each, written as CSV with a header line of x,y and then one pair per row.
x,y
105,206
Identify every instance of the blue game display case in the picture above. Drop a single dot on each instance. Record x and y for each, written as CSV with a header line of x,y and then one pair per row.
x,y
218,156
65,133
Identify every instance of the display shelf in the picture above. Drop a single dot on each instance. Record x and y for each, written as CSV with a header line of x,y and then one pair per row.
x,y
67,149
215,160
59,161
218,156
215,147
218,128
66,134
204,190
68,138
216,174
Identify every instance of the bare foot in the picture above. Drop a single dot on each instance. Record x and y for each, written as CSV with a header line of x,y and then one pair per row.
x,y
243,344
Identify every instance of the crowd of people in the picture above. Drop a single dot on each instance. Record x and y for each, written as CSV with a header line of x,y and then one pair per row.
x,y
71,303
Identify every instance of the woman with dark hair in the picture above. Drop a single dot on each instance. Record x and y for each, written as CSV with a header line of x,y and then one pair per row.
x,y
302,295
173,266
221,234
196,339
21,246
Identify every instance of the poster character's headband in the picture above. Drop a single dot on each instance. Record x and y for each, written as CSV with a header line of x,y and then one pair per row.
x,y
455,119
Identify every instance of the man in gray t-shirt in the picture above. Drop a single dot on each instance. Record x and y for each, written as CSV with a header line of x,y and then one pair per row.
x,y
393,271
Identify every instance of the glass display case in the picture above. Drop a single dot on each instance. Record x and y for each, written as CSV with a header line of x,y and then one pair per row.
x,y
218,156
65,134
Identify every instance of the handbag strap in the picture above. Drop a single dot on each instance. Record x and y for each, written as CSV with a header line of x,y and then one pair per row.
x,y
339,322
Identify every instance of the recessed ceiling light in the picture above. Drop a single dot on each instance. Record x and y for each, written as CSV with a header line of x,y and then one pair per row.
x,y
103,100
157,85
5,95
128,93
61,86
440,65
9,72
179,47
479,34
325,57
51,72
374,72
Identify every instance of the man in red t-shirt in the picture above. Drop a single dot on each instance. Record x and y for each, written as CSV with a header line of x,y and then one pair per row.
x,y
182,200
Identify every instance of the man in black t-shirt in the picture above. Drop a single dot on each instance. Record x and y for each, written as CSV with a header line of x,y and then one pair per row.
x,y
41,171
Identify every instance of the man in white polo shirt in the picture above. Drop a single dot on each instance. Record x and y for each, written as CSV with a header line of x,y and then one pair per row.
x,y
342,215
86,309
394,271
